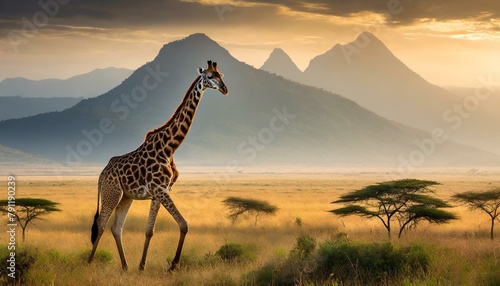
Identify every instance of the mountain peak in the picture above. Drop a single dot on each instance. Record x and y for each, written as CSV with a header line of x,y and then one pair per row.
x,y
279,52
369,40
366,34
366,50
278,56
281,64
195,49
194,39
198,37
366,71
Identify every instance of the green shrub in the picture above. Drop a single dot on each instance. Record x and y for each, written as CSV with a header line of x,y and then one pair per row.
x,y
345,263
287,270
370,263
341,237
418,257
280,271
24,260
305,245
233,251
210,259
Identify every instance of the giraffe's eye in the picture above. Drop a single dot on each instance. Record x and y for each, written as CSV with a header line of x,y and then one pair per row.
x,y
210,76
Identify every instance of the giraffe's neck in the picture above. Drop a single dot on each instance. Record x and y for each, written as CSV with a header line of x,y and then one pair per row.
x,y
174,131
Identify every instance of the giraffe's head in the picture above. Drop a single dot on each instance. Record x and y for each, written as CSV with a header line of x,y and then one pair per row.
x,y
212,78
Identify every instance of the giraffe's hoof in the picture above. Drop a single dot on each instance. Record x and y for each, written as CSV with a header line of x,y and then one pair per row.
x,y
141,267
173,266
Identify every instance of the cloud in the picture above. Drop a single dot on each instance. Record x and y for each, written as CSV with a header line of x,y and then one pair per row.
x,y
403,11
135,14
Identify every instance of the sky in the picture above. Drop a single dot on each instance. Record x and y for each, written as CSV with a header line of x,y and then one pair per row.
x,y
448,42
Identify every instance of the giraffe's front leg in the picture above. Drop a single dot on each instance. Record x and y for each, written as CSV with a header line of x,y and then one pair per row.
x,y
153,213
163,196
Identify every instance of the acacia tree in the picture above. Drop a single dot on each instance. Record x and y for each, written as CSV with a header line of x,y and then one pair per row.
x,y
238,206
408,201
486,201
27,210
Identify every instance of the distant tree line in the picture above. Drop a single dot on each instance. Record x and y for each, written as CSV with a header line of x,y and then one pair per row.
x,y
398,204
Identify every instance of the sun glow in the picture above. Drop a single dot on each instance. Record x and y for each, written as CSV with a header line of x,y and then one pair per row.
x,y
470,29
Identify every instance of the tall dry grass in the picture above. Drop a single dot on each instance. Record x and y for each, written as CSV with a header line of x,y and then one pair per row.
x,y
462,251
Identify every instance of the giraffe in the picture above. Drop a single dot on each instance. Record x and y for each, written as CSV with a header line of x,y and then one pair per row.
x,y
149,172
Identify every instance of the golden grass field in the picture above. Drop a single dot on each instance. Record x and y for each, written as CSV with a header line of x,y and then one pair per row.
x,y
462,248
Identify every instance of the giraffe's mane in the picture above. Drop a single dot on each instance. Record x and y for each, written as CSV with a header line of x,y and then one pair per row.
x,y
156,130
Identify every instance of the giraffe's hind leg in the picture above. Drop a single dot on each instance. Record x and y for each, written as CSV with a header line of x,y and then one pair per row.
x,y
117,228
110,199
153,213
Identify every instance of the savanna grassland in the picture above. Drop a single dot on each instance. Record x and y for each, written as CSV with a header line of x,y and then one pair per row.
x,y
459,253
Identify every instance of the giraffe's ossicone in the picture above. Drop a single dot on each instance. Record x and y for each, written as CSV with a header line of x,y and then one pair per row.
x,y
149,172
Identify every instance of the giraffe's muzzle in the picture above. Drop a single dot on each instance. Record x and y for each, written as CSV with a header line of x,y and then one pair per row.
x,y
223,90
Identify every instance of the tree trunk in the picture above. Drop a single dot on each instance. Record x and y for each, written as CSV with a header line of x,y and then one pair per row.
x,y
492,227
24,231
387,224
389,229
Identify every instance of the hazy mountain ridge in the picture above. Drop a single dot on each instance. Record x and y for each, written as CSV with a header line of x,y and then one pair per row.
x,y
265,120
10,155
85,85
367,72
371,75
19,107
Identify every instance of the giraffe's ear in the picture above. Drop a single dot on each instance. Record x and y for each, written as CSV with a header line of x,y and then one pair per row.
x,y
200,70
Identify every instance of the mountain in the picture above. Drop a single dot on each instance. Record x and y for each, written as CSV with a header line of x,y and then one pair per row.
x,y
15,162
86,85
367,72
19,107
281,64
10,157
265,120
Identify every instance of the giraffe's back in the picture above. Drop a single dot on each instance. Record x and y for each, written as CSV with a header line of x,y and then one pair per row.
x,y
131,173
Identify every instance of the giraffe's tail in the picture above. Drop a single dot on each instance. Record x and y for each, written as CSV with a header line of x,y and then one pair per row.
x,y
95,227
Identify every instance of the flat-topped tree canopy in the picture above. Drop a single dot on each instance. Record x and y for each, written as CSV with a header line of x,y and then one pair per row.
x,y
27,210
487,201
407,200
